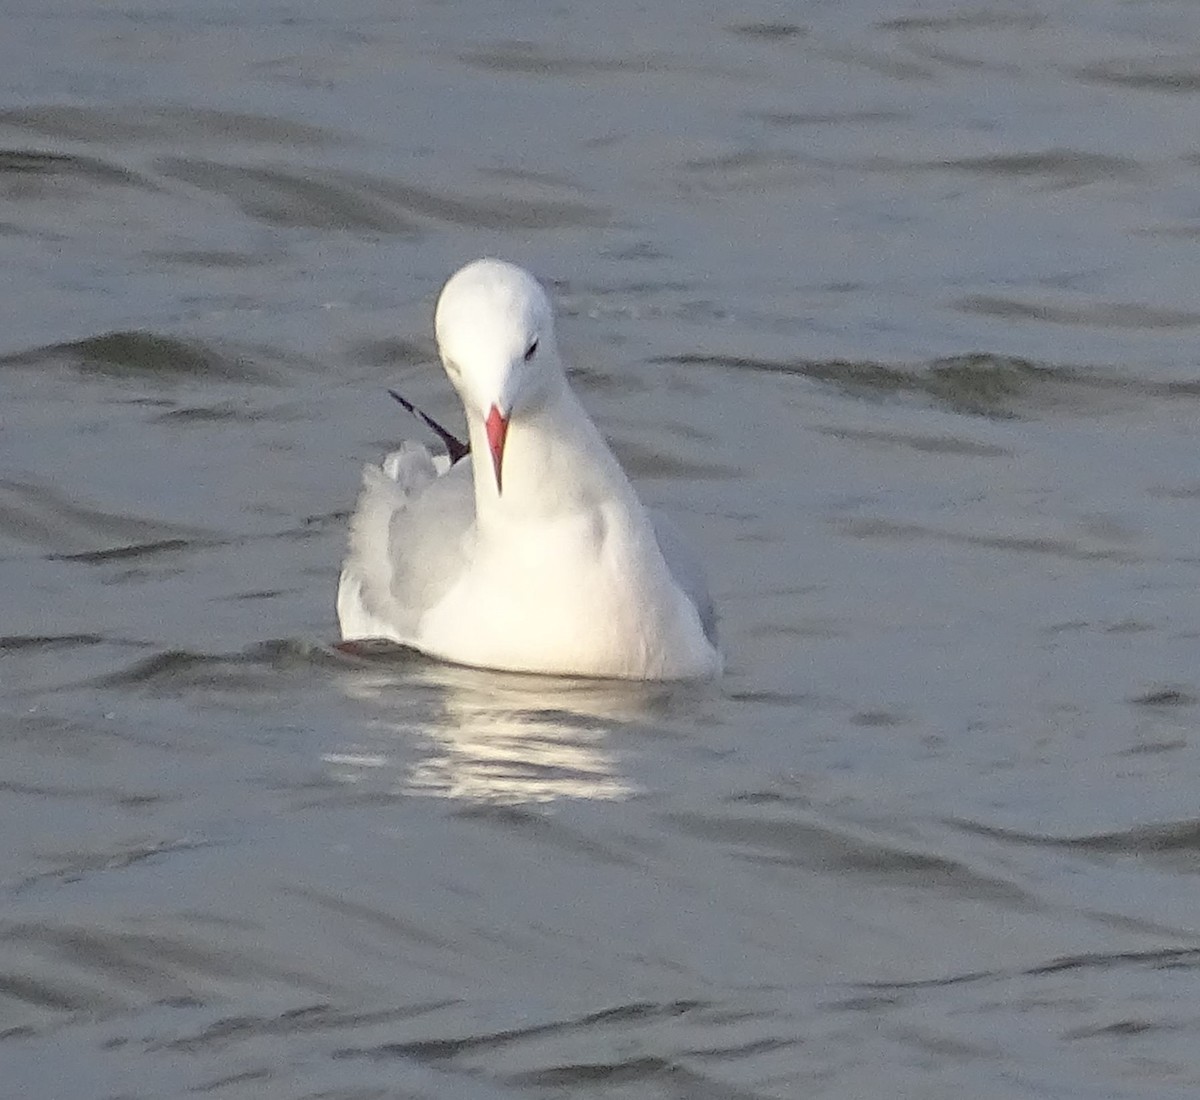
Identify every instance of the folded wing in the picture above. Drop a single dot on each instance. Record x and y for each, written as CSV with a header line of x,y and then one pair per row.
x,y
409,540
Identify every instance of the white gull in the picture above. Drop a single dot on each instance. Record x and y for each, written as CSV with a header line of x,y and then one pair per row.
x,y
535,554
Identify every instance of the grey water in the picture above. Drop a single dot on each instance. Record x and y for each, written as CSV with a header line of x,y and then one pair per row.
x,y
892,306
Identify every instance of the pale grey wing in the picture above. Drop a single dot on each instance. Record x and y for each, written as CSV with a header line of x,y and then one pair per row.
x,y
427,541
408,544
687,570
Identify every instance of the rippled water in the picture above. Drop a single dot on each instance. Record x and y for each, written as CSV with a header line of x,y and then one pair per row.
x,y
893,307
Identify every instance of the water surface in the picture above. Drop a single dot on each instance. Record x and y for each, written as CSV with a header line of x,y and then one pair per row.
x,y
892,307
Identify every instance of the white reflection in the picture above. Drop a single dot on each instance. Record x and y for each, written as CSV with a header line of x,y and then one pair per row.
x,y
493,737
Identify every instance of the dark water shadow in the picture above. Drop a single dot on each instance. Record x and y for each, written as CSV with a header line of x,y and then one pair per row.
x,y
67,530
1172,75
1164,838
155,122
326,199
1155,958
254,669
33,173
145,355
1052,169
978,384
1122,315
769,833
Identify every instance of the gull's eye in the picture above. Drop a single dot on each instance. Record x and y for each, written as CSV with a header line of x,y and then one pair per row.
x,y
531,351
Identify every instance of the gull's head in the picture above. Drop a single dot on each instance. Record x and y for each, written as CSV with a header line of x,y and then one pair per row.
x,y
495,334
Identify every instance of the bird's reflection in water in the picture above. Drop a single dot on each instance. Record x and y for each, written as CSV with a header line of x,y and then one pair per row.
x,y
485,736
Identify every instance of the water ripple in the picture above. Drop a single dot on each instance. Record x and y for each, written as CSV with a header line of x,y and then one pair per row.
x,y
142,354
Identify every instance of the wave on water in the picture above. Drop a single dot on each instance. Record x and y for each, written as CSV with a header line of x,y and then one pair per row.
x,y
1129,315
1178,75
13,643
1142,839
180,669
328,199
1155,958
35,172
760,834
36,514
976,384
140,353
108,126
1054,168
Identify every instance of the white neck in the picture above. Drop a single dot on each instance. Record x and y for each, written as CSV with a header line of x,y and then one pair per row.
x,y
555,463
